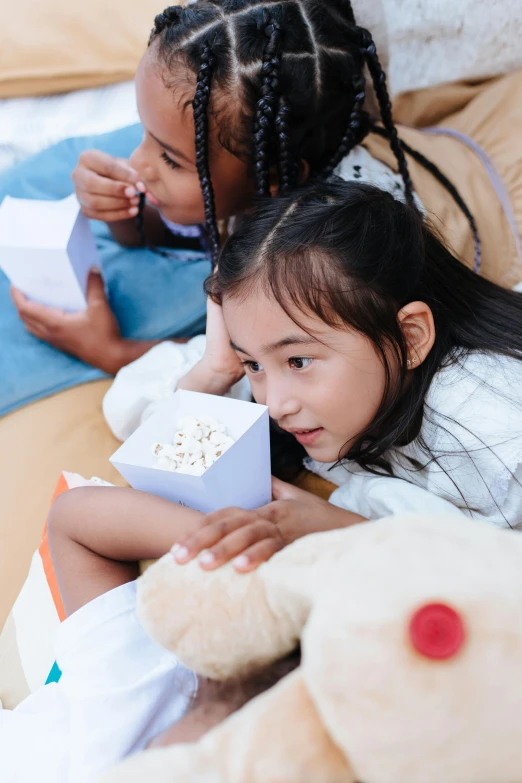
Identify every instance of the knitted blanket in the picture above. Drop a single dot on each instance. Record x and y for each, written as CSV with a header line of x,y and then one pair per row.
x,y
423,43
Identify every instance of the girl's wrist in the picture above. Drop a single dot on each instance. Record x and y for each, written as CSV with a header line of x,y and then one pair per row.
x,y
203,378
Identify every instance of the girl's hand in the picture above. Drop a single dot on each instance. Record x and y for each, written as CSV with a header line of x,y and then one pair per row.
x,y
106,187
220,358
92,335
250,538
220,368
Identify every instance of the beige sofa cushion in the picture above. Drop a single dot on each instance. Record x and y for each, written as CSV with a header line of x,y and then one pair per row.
x,y
51,46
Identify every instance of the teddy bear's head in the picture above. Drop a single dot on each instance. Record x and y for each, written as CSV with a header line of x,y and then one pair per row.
x,y
411,636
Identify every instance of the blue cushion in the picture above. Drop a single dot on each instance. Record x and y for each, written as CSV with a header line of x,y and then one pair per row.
x,y
153,297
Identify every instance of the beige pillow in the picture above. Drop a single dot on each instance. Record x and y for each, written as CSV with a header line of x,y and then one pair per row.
x,y
52,46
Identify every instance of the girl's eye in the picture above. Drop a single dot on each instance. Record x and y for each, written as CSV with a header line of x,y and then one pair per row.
x,y
253,367
299,362
169,161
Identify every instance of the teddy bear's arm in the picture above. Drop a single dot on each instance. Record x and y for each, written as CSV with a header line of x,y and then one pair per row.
x,y
276,738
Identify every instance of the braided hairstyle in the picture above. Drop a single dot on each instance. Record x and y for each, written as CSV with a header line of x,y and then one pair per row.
x,y
296,70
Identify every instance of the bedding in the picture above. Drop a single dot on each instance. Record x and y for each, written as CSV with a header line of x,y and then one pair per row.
x,y
29,125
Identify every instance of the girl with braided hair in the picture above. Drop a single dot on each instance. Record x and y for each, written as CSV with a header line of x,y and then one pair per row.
x,y
245,98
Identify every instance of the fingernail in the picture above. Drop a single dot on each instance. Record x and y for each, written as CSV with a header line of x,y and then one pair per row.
x,y
133,211
181,553
175,548
140,186
243,561
207,558
95,270
130,191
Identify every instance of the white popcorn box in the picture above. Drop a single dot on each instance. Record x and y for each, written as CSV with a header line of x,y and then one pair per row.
x,y
47,249
240,477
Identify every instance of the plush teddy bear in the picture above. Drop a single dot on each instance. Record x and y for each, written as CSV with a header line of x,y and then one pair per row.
x,y
411,671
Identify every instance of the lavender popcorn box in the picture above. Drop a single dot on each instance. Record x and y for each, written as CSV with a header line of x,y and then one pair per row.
x,y
239,476
47,249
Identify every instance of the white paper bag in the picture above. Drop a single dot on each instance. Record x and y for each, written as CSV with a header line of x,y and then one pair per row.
x,y
47,249
240,477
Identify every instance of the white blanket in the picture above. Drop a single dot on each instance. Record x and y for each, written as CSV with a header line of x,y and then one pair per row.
x,y
28,125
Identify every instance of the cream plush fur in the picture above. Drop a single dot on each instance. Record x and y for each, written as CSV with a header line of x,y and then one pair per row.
x,y
364,704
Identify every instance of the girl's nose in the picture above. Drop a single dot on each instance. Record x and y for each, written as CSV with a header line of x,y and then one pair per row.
x,y
281,402
139,161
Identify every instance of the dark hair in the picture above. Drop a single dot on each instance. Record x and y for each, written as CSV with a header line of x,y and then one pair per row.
x,y
298,69
352,253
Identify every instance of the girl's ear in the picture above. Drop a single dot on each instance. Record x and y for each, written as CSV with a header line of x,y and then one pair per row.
x,y
418,328
304,173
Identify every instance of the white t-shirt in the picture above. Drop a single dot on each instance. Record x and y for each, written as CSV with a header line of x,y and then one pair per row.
x,y
118,690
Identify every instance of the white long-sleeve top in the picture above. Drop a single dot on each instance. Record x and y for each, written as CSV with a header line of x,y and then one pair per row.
x,y
472,426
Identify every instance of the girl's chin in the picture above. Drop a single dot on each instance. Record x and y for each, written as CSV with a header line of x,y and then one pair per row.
x,y
325,454
322,455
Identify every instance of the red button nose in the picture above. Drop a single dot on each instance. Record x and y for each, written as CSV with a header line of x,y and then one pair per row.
x,y
437,631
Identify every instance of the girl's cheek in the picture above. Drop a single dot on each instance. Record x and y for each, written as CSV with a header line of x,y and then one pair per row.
x,y
258,391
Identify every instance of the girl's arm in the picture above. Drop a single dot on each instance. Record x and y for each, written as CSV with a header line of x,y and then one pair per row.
x,y
97,536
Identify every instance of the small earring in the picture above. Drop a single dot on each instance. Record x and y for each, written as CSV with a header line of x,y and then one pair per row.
x,y
411,362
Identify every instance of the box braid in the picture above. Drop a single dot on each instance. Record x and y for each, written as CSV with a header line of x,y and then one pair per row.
x,y
270,115
200,103
448,185
296,69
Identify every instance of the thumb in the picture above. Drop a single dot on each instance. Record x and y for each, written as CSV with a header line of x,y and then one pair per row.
x,y
95,288
281,490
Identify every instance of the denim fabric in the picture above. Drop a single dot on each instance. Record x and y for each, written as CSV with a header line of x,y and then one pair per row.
x,y
153,297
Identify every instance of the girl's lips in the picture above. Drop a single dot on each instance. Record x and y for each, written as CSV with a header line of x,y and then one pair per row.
x,y
307,438
153,200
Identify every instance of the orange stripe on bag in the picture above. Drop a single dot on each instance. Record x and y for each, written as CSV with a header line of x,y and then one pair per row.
x,y
45,554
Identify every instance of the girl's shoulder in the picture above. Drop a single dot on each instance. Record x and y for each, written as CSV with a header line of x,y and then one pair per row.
x,y
470,445
360,165
470,381
473,411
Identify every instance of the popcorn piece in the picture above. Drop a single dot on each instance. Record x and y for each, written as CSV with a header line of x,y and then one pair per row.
x,y
164,463
192,470
214,425
198,443
217,438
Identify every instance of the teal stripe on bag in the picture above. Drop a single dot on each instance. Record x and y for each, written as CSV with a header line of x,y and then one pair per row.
x,y
54,674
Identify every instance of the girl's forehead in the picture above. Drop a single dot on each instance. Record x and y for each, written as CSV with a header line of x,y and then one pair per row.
x,y
164,104
257,319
